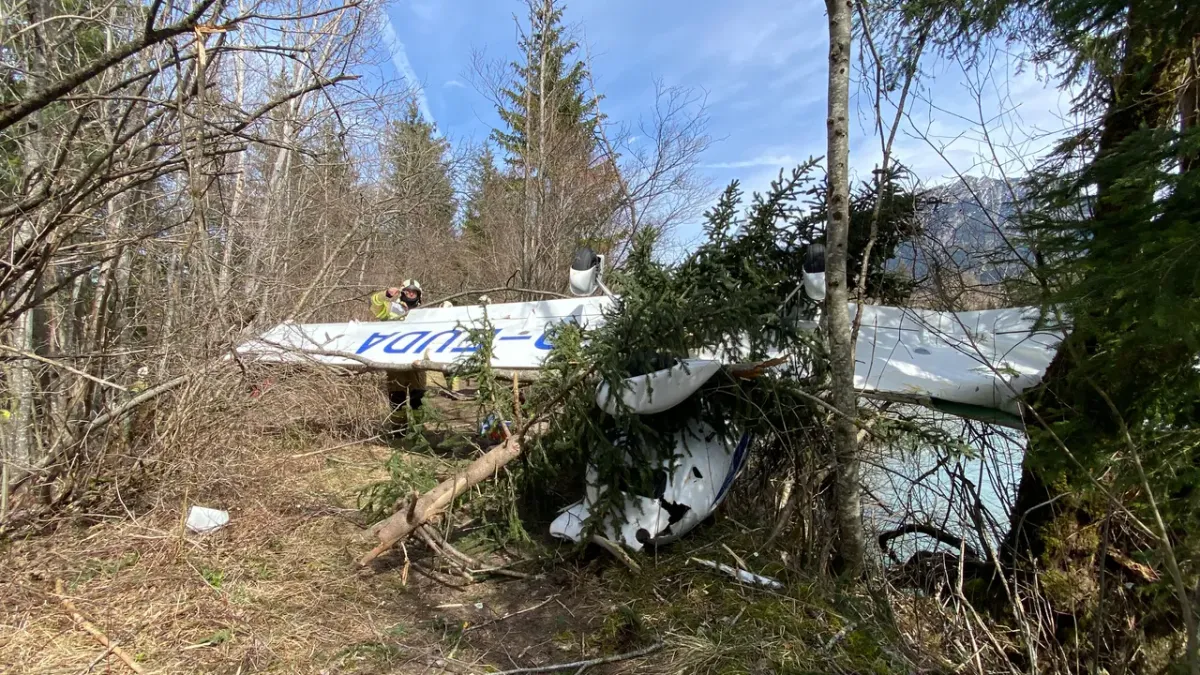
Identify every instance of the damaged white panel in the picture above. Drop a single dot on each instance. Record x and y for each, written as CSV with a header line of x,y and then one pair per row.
x,y
707,465
661,390
201,519
640,513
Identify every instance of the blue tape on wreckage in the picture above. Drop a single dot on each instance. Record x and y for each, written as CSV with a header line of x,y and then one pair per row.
x,y
740,455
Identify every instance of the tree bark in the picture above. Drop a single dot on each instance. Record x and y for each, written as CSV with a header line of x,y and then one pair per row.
x,y
1142,97
1139,100
432,503
26,376
837,323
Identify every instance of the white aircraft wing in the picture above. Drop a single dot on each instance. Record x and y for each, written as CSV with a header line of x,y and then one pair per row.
x,y
982,359
436,335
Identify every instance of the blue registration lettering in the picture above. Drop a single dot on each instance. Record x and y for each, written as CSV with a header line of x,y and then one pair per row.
x,y
416,336
469,346
452,333
375,339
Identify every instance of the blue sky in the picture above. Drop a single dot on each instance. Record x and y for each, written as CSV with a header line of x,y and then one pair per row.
x,y
761,65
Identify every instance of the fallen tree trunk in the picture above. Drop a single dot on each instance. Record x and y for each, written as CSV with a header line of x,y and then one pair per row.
x,y
421,510
92,630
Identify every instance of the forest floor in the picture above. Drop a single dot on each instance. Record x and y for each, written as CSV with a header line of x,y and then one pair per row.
x,y
278,590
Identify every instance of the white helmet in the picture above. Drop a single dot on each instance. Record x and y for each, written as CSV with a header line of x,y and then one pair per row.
x,y
413,286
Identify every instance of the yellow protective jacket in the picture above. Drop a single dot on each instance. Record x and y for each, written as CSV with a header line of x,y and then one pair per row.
x,y
381,307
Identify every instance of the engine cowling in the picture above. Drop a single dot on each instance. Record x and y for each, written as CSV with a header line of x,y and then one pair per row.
x,y
585,272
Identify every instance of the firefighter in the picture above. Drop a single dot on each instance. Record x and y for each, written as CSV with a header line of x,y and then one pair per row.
x,y
406,388
394,303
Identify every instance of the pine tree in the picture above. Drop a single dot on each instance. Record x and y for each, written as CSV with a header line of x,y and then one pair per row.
x,y
1123,393
486,186
1114,444
898,223
563,190
547,80
417,175
726,296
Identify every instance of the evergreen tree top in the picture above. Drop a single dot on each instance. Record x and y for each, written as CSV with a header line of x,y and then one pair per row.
x,y
548,77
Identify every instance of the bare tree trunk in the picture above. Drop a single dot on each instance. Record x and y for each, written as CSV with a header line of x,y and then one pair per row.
x,y
92,333
171,298
887,138
841,351
544,130
531,202
23,379
277,184
233,216
26,375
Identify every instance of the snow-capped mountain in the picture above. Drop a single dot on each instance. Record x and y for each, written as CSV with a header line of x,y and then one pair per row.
x,y
969,225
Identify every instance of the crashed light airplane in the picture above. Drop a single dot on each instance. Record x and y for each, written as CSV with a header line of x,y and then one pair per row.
x,y
970,364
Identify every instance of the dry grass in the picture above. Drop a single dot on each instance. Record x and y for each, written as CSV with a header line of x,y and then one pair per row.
x,y
276,590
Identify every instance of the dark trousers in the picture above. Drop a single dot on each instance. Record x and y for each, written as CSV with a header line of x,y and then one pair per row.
x,y
406,389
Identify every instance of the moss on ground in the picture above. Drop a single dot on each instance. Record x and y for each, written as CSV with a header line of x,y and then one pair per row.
x,y
711,623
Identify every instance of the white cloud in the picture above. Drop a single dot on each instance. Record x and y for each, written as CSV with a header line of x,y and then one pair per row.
x,y
454,84
778,161
425,11
775,34
404,67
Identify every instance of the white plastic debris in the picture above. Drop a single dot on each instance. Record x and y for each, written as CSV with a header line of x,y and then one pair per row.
x,y
743,575
202,519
